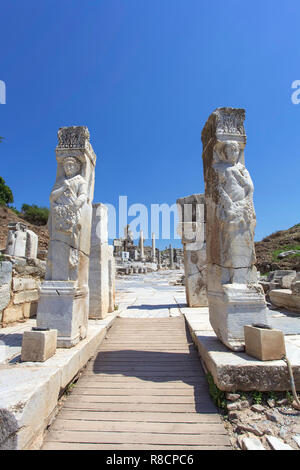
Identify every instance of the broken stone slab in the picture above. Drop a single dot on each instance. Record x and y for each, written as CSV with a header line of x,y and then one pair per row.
x,y
284,254
25,296
24,283
5,273
250,443
297,439
285,298
277,444
38,345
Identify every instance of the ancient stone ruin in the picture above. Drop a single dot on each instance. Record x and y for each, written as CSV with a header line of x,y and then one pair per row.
x,y
64,295
21,242
101,267
234,296
191,228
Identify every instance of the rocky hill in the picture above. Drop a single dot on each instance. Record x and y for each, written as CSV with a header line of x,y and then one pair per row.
x,y
268,250
7,216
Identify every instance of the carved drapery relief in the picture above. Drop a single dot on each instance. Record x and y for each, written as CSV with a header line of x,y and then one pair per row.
x,y
67,198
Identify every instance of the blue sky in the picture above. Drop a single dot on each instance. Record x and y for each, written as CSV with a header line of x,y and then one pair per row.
x,y
144,76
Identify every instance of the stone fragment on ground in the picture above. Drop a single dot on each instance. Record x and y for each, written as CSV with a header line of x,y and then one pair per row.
x,y
249,443
278,444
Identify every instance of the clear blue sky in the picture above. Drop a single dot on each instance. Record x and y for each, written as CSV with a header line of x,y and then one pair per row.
x,y
144,76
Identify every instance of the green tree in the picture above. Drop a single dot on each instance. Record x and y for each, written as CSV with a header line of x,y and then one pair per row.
x,y
6,195
35,214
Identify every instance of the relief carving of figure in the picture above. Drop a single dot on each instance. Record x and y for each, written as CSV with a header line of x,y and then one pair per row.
x,y
67,198
235,208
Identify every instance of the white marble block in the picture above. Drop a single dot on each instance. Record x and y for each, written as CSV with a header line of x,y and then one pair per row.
x,y
64,295
31,244
234,296
16,240
111,281
99,264
191,228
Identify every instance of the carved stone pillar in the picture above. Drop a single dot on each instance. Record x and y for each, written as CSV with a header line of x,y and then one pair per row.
x,y
235,298
191,228
99,259
64,295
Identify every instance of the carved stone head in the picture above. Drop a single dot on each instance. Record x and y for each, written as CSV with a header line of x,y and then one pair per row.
x,y
230,152
72,166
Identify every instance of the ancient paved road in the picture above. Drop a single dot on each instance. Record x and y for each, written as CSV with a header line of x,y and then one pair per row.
x,y
145,389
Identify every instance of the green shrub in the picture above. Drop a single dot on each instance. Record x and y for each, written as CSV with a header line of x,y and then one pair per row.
x,y
6,195
219,397
285,248
35,214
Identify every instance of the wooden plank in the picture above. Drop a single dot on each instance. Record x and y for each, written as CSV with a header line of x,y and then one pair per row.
x,y
143,417
136,438
147,407
94,381
137,391
137,426
145,389
86,446
139,399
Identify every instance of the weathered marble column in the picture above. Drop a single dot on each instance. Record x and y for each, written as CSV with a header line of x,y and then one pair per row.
x,y
235,298
142,255
64,295
153,248
99,264
111,281
191,228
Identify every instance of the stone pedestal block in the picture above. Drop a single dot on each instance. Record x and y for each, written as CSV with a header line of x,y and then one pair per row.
x,y
264,344
65,308
38,346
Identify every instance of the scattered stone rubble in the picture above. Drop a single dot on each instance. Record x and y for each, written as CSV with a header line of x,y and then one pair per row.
x,y
256,422
20,279
282,288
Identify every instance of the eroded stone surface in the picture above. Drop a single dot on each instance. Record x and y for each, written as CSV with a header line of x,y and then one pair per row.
x,y
191,228
235,298
70,231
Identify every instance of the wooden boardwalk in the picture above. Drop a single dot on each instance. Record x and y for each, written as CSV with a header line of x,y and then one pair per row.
x,y
145,389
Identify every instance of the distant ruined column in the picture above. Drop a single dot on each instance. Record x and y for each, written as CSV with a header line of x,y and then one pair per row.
x,y
64,295
235,298
142,255
153,248
191,228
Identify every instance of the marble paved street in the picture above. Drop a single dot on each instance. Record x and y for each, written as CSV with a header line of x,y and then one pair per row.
x,y
145,388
